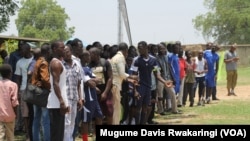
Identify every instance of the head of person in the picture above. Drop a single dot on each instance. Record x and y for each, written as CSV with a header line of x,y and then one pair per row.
x,y
132,51
123,47
233,47
36,53
19,44
95,54
154,49
77,47
209,45
170,47
180,54
162,50
129,60
176,48
143,48
57,48
98,45
113,50
214,48
25,50
3,53
6,71
46,51
68,53
200,54
188,54
85,58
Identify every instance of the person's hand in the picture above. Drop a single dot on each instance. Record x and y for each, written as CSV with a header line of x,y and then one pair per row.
x,y
137,95
133,81
169,84
98,91
91,83
103,96
235,59
39,83
79,104
63,108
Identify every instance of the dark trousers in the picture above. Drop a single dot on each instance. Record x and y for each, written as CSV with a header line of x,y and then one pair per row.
x,y
125,105
152,113
56,125
188,91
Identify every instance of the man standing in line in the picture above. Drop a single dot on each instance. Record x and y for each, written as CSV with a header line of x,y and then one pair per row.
x,y
143,65
57,100
231,60
21,73
118,67
74,94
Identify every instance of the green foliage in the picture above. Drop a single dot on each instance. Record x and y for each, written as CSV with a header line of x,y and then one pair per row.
x,y
43,19
7,9
227,21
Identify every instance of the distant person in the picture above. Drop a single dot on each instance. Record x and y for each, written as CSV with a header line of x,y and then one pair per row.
x,y
8,103
200,72
231,58
4,55
216,58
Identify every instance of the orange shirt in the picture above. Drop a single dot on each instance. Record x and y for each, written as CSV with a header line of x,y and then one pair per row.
x,y
8,100
41,73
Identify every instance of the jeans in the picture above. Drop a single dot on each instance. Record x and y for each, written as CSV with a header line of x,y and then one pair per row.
x,y
41,118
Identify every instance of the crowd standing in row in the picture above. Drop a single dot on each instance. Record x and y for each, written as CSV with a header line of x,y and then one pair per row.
x,y
99,84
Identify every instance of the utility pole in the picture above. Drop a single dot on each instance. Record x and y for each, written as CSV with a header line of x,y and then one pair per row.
x,y
123,13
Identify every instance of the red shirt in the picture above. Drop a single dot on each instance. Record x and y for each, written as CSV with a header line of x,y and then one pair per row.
x,y
182,64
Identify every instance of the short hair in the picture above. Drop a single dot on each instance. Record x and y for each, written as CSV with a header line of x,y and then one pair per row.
x,y
45,47
5,70
55,44
123,46
143,43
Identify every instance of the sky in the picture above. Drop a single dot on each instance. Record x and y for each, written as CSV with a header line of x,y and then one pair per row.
x,y
152,21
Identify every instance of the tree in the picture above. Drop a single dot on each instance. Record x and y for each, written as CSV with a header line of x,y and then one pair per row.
x,y
227,21
43,19
7,9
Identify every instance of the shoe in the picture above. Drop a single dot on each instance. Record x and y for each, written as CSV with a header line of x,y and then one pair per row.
x,y
208,100
179,105
152,122
229,94
191,105
162,113
215,98
177,112
233,94
199,103
169,109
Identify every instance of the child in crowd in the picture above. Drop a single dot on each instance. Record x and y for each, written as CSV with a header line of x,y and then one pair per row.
x,y
8,103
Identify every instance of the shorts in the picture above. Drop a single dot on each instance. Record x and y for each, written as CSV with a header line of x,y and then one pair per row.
x,y
107,105
91,110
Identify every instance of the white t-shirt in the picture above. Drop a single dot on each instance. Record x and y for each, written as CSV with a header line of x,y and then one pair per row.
x,y
22,70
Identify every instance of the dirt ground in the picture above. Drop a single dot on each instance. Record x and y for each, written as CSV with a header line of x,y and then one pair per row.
x,y
242,92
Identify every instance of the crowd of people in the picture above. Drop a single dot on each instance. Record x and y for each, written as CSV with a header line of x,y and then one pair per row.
x,y
104,84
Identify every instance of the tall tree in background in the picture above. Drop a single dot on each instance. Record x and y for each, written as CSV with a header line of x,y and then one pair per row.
x,y
7,9
226,22
43,19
